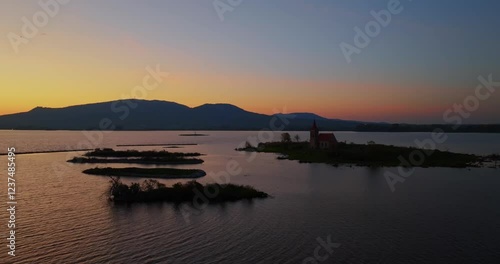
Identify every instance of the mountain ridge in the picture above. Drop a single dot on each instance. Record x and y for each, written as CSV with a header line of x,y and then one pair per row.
x,y
137,114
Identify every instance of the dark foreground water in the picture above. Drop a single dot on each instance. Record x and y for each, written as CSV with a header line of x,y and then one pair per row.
x,y
437,215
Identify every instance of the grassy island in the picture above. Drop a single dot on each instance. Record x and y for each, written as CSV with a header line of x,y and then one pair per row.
x,y
156,161
137,157
156,145
162,173
153,191
108,152
374,155
193,135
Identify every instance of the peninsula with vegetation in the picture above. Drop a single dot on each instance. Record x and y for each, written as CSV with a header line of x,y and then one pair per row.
x,y
154,191
324,148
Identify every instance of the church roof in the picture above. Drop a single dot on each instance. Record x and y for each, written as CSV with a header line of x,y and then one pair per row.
x,y
326,137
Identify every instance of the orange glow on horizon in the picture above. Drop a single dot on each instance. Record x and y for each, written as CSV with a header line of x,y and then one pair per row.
x,y
59,77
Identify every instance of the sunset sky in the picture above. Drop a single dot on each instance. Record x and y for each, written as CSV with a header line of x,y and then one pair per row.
x,y
264,55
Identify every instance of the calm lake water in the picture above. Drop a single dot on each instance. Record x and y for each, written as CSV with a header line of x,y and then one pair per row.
x,y
437,215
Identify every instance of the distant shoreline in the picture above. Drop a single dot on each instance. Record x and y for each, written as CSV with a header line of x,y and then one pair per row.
x,y
156,145
257,130
47,151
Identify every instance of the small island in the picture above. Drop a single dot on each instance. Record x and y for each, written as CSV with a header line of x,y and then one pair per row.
x,y
161,173
108,152
193,135
156,145
324,148
154,191
153,161
163,157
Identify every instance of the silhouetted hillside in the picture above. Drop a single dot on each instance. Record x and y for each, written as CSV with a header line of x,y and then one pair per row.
x,y
158,115
162,115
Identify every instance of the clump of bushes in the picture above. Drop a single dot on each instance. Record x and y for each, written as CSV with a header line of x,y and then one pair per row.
x,y
153,191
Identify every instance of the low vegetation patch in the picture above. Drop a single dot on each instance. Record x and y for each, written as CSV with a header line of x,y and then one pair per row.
x,y
163,173
145,160
154,191
194,135
163,157
108,152
156,145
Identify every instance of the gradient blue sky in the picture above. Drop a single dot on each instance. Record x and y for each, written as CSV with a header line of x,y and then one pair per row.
x,y
264,55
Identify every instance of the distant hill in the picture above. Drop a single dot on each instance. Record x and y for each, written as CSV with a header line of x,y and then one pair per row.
x,y
135,114
309,116
162,115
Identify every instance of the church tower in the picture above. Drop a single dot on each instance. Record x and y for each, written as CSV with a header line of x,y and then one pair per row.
x,y
313,136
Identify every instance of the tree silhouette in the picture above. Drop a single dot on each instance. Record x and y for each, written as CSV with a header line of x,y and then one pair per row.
x,y
285,138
